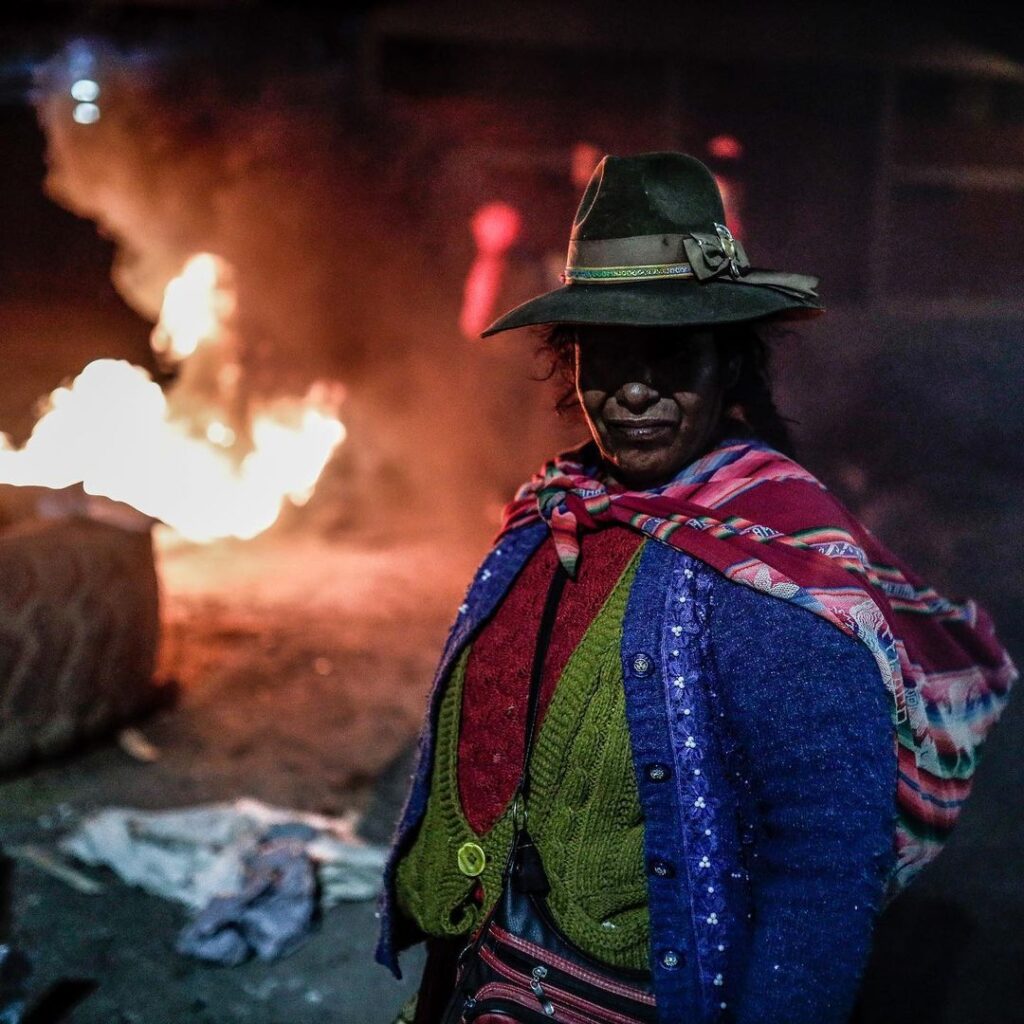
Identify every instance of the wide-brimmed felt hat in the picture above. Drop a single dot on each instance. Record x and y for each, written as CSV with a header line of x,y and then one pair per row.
x,y
649,247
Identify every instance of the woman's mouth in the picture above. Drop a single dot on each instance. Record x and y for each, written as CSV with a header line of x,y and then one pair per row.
x,y
643,429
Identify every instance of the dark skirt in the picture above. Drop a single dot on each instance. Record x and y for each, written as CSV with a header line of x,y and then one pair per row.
x,y
438,982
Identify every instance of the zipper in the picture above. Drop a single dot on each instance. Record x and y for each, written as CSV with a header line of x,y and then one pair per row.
x,y
539,972
554,999
622,997
500,997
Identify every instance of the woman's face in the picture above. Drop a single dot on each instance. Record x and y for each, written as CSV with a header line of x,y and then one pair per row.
x,y
652,397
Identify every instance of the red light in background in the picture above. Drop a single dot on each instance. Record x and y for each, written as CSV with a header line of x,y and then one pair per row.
x,y
728,147
725,147
585,157
495,228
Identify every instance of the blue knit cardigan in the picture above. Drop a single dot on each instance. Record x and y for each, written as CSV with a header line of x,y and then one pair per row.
x,y
765,762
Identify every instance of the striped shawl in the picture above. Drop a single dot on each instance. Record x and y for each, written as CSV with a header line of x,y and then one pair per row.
x,y
762,520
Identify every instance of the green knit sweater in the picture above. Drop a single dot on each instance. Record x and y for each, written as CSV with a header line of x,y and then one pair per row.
x,y
584,811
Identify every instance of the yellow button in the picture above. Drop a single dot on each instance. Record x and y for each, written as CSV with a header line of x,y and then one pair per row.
x,y
472,859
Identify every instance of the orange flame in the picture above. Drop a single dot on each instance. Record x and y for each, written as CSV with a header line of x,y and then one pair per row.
x,y
198,458
197,303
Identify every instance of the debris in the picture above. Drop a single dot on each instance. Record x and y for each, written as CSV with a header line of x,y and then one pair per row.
x,y
348,873
186,856
268,918
135,745
194,854
323,666
256,874
46,860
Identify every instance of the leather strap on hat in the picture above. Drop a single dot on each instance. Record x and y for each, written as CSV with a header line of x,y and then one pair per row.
x,y
699,255
597,261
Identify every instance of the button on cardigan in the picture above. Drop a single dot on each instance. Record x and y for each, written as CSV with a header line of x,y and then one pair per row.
x,y
765,766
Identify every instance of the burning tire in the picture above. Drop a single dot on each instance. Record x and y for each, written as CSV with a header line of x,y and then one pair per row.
x,y
79,624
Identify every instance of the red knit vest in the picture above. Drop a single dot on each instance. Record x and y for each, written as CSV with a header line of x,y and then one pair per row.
x,y
493,722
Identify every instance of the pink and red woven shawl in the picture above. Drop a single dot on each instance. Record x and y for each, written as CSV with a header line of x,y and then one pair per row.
x,y
762,520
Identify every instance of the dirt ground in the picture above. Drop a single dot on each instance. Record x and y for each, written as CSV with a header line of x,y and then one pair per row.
x,y
302,667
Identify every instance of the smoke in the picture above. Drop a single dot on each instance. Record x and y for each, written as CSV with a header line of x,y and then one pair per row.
x,y
337,270
348,228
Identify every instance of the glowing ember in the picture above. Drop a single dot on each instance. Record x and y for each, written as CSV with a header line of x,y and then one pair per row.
x,y
175,457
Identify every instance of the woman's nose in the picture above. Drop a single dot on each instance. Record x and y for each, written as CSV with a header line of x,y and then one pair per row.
x,y
636,396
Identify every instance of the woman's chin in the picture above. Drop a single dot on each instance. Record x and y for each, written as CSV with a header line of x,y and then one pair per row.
x,y
639,467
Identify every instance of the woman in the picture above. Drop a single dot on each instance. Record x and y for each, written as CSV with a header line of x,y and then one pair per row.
x,y
741,723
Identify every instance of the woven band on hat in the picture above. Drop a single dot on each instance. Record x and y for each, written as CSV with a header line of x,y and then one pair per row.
x,y
650,257
702,255
605,275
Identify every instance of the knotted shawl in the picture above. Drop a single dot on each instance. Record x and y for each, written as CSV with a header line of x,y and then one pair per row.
x,y
762,520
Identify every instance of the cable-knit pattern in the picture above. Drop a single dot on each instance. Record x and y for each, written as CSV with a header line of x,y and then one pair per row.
x,y
494,697
431,889
584,811
489,586
586,819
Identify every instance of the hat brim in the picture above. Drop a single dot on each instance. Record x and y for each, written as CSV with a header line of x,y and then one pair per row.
x,y
655,304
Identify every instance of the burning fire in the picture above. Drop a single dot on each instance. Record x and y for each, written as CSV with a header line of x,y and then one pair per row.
x,y
197,306
203,458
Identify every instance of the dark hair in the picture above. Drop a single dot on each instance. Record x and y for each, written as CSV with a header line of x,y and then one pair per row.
x,y
750,396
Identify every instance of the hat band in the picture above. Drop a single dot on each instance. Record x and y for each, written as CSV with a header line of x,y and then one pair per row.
x,y
701,255
611,275
697,254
